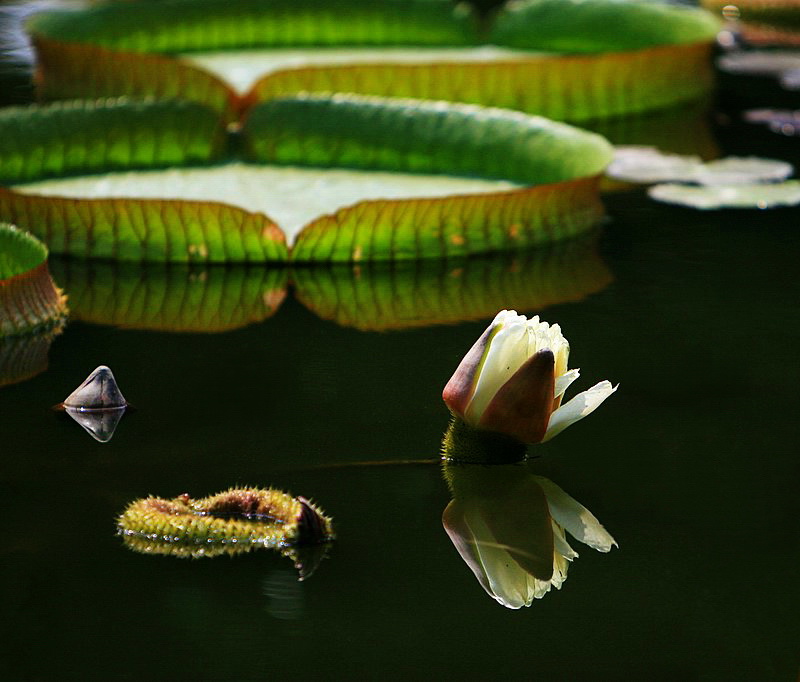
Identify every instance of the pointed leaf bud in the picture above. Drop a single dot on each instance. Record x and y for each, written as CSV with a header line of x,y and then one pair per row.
x,y
99,391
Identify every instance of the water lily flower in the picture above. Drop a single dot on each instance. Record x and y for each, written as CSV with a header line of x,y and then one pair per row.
x,y
512,380
510,529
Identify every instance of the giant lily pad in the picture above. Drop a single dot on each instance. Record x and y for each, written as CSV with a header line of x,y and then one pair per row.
x,y
599,25
571,88
432,137
29,299
72,137
547,174
85,136
655,54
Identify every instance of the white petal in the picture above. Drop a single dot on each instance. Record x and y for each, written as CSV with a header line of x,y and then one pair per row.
x,y
560,545
581,405
563,382
507,351
537,588
577,519
503,578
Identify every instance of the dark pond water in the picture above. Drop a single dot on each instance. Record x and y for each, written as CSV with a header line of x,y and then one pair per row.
x,y
692,465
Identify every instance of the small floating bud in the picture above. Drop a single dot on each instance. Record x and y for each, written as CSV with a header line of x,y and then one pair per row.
x,y
97,404
99,391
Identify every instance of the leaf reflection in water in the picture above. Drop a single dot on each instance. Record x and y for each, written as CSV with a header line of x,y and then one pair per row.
x,y
380,297
23,357
509,527
173,298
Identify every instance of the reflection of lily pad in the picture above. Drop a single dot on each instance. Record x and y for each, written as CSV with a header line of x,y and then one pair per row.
x,y
382,296
561,162
660,53
29,299
730,196
171,298
23,357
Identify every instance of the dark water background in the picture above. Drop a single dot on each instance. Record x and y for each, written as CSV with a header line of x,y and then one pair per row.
x,y
692,465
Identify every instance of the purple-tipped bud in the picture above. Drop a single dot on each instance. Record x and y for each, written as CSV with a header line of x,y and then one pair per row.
x,y
99,391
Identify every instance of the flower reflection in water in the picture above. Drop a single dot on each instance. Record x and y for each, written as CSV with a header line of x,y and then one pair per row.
x,y
510,527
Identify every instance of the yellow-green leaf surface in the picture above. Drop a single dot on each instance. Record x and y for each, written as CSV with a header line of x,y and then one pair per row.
x,y
292,196
180,25
380,297
654,55
85,136
146,229
29,299
61,139
565,88
600,25
171,298
75,70
241,69
452,226
421,137
479,199
435,137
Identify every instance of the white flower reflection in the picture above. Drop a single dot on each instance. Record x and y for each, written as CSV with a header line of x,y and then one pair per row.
x,y
510,528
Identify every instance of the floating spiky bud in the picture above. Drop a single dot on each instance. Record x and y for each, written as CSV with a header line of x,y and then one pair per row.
x,y
236,521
